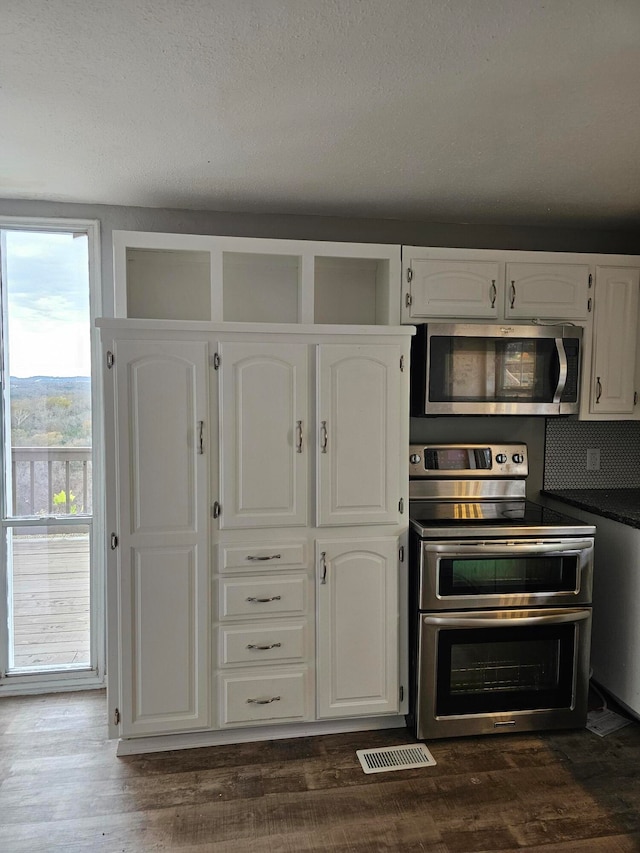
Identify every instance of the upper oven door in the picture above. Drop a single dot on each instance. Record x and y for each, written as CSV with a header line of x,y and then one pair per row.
x,y
497,574
496,370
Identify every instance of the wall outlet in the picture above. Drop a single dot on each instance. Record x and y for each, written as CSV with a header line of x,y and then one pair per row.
x,y
593,459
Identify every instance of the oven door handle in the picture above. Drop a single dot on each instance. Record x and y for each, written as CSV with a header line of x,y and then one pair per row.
x,y
466,621
459,548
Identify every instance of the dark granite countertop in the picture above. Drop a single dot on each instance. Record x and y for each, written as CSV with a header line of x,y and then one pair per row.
x,y
621,505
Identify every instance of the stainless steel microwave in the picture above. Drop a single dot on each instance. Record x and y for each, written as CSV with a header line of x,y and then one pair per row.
x,y
497,369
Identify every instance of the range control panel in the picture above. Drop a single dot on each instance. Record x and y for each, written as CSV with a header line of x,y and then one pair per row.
x,y
468,460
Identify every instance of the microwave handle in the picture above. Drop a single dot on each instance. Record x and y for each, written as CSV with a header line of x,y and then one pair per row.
x,y
564,370
464,621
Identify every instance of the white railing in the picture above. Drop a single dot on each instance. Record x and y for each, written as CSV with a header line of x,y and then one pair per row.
x,y
51,481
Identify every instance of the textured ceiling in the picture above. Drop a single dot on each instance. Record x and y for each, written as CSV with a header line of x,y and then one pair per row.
x,y
510,111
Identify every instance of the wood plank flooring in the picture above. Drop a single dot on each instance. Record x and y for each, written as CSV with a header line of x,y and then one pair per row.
x,y
62,788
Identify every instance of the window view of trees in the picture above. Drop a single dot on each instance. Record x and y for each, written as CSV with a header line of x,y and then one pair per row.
x,y
50,410
51,445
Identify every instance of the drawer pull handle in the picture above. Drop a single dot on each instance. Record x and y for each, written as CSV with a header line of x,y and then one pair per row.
x,y
265,647
271,557
263,701
264,600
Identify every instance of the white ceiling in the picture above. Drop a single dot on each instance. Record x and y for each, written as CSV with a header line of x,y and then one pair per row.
x,y
506,111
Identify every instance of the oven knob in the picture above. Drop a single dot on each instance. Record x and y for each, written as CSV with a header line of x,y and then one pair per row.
x,y
501,458
415,458
518,458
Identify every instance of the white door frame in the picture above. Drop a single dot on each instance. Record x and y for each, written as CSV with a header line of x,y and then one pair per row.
x,y
94,676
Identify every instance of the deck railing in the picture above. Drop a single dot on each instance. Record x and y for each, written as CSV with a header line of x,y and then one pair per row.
x,y
51,481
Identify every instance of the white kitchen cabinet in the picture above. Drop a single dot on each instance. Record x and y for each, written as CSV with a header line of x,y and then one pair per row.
x,y
357,630
160,456
266,434
264,458
444,287
359,397
612,383
217,485
237,279
482,284
547,291
264,642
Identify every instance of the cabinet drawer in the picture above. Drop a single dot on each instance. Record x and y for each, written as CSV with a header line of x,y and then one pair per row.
x,y
254,698
262,596
242,558
262,643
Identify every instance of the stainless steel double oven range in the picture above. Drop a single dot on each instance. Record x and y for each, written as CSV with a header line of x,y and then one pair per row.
x,y
500,597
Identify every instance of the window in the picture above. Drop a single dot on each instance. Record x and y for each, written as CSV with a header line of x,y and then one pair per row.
x,y
52,620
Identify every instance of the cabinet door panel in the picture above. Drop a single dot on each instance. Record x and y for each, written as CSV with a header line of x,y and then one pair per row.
x,y
357,627
162,615
450,288
359,434
264,458
162,498
614,363
547,291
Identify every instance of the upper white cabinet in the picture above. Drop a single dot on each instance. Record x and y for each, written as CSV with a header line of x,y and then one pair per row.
x,y
610,390
264,459
444,287
237,279
160,458
359,397
493,285
547,291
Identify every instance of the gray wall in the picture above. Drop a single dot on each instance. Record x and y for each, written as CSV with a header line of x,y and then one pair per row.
x,y
393,231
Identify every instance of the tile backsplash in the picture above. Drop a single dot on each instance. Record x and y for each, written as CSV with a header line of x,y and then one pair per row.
x,y
565,457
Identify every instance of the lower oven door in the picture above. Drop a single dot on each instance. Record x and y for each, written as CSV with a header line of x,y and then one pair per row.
x,y
497,574
485,672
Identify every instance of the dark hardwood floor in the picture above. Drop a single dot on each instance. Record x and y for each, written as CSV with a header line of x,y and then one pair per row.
x,y
62,788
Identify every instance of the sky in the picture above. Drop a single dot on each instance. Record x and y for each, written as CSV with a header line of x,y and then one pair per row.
x,y
47,297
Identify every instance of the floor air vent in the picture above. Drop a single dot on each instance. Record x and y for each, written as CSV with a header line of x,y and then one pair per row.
x,y
395,758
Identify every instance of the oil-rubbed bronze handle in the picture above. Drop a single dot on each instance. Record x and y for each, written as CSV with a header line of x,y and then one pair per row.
x,y
270,557
263,701
299,437
493,291
324,436
264,600
598,389
265,647
323,566
513,294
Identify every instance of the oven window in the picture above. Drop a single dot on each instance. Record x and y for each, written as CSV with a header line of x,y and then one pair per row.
x,y
489,670
507,575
